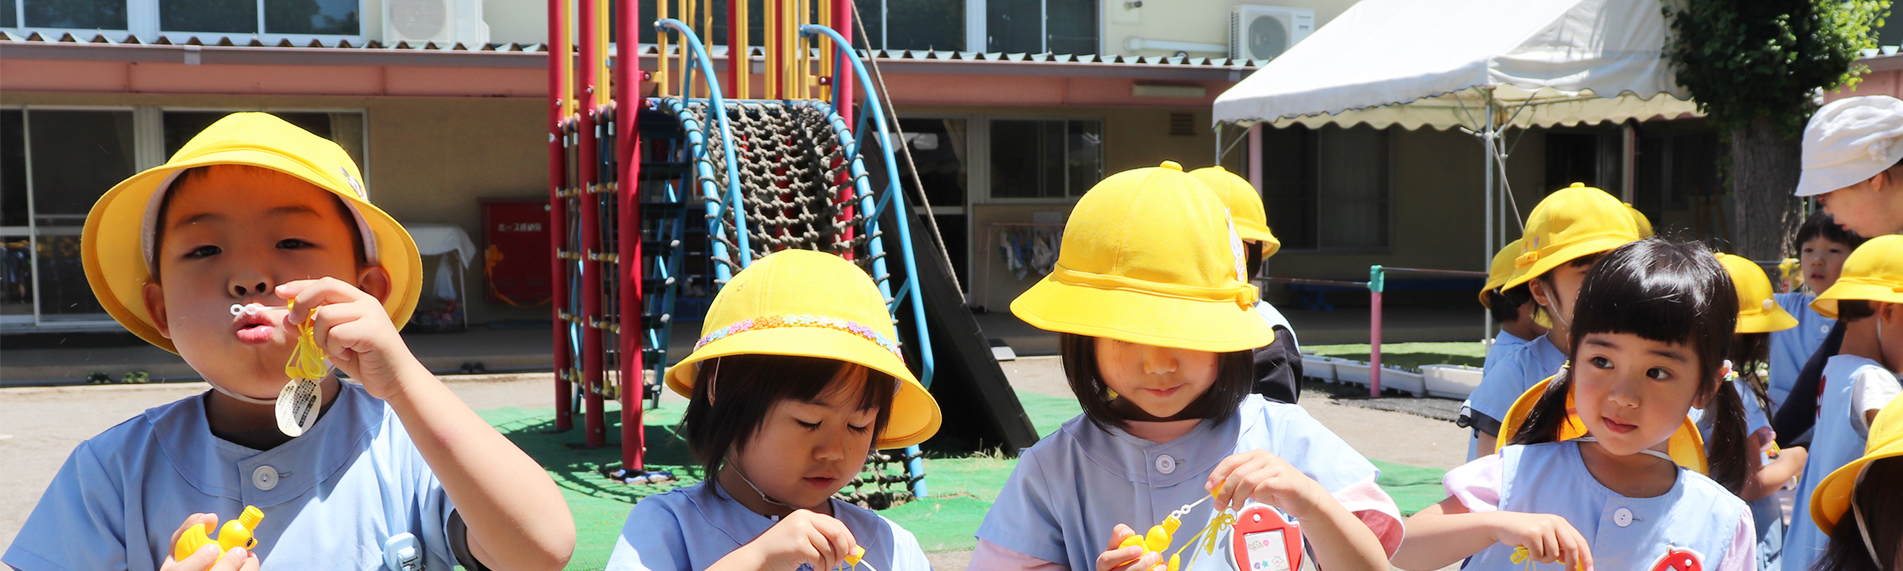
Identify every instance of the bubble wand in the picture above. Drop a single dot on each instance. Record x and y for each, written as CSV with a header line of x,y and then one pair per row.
x,y
298,403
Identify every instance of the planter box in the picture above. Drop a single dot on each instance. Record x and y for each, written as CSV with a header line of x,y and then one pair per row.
x,y
1319,367
1356,372
1451,381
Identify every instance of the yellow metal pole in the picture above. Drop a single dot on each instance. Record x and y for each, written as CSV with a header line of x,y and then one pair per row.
x,y
662,78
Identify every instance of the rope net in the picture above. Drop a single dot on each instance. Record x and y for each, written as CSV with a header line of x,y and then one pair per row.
x,y
794,181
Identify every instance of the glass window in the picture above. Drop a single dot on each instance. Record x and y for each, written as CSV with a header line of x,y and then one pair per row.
x,y
1045,158
346,129
9,13
13,168
333,17
77,14
76,157
1042,26
1326,188
1072,26
1014,27
217,16
914,24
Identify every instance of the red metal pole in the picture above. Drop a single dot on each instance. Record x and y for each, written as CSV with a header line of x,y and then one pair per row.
x,y
737,60
557,213
591,350
843,88
627,81
1377,282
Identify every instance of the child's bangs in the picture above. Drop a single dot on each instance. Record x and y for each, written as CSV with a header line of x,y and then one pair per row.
x,y
1661,291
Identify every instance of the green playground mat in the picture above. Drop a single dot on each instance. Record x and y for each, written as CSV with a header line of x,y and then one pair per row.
x,y
961,487
1409,355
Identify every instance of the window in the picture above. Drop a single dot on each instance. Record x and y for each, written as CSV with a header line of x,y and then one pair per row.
x,y
345,128
1042,26
940,152
1588,157
1326,188
913,24
1045,159
1676,179
286,19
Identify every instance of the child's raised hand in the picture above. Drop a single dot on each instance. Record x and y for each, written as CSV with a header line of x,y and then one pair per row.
x,y
804,537
1131,558
1547,538
238,559
352,329
1266,478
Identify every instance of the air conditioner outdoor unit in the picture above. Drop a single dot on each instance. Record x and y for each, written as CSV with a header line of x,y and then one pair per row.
x,y
1264,32
444,22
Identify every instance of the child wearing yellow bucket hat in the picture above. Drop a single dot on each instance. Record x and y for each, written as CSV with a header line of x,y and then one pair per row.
x,y
197,256
1866,491
1565,234
1604,473
1278,365
1857,382
796,376
1513,310
1156,324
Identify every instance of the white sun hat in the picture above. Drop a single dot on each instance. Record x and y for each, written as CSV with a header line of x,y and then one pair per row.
x,y
1849,141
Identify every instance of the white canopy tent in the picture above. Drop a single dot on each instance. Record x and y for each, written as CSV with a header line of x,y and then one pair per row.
x,y
1482,66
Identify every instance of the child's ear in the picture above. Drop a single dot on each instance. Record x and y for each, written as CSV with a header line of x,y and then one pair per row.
x,y
374,280
155,308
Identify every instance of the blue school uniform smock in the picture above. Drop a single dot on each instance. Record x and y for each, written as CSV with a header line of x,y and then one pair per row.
x,y
1835,441
1504,343
1505,379
1791,348
1624,532
330,498
1766,512
693,527
1071,489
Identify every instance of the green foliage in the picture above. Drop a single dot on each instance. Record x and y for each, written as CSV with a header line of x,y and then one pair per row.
x,y
1753,59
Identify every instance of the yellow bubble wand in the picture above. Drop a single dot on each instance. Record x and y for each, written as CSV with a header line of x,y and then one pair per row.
x,y
300,399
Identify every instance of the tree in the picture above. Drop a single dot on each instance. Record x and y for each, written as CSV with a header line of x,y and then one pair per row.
x,y
1755,67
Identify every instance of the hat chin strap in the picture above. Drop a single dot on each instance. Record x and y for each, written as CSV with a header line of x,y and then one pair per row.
x,y
1864,530
1648,451
742,473
240,398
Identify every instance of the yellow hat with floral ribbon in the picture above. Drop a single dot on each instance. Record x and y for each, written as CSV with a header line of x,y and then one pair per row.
x,y
1499,271
1757,312
1873,272
1149,258
801,303
1571,222
1639,220
1832,497
1686,446
117,246
1244,204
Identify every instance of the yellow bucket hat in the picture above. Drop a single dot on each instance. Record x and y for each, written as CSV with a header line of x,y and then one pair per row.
x,y
1575,221
1144,260
1244,204
1832,497
1499,271
1686,446
116,245
801,303
1873,272
1639,220
1757,312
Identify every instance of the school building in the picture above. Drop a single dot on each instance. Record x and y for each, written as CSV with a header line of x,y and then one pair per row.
x,y
1011,109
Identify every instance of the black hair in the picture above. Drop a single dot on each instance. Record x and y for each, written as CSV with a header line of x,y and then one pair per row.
x,y
1505,304
1235,379
1547,278
1748,352
1670,292
750,385
197,173
1854,310
1253,250
1821,225
1877,498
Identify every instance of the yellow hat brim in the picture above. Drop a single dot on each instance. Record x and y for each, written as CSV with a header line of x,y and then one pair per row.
x,y
1686,446
1545,262
1776,319
1832,497
112,251
1143,318
1484,301
1250,231
1854,288
915,416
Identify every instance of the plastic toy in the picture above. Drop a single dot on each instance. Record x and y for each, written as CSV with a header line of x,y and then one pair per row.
x,y
298,403
858,554
1255,534
235,533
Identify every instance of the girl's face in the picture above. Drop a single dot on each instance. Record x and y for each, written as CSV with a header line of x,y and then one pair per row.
x,y
1631,392
804,452
1162,381
1822,261
1866,207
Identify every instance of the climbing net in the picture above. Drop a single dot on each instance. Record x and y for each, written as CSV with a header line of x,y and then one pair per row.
x,y
794,180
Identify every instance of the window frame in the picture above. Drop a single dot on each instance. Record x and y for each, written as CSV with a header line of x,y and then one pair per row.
x,y
1387,221
982,144
142,21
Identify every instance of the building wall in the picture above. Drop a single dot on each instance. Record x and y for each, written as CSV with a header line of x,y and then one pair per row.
x,y
429,159
516,21
1197,21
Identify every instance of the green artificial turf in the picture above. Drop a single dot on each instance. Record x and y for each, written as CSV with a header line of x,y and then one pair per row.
x,y
960,488
1409,355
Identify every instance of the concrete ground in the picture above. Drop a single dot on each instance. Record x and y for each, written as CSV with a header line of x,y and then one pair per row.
x,y
40,426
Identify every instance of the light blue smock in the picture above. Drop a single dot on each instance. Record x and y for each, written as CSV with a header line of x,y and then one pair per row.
x,y
1071,489
1835,442
1505,379
1766,513
693,527
1624,532
1274,319
1791,348
1504,343
330,497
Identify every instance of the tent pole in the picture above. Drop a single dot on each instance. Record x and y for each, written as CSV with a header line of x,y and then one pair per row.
x,y
1629,160
1488,227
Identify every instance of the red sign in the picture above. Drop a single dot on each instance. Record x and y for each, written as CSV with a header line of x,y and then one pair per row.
x,y
515,252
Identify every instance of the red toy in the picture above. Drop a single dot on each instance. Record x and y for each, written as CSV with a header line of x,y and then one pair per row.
x,y
1680,559
1265,539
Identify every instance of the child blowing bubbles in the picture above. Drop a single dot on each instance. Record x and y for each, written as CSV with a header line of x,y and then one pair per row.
x,y
796,376
1156,327
254,210
1650,333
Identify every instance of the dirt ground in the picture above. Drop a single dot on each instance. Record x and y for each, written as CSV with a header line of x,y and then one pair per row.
x,y
39,427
